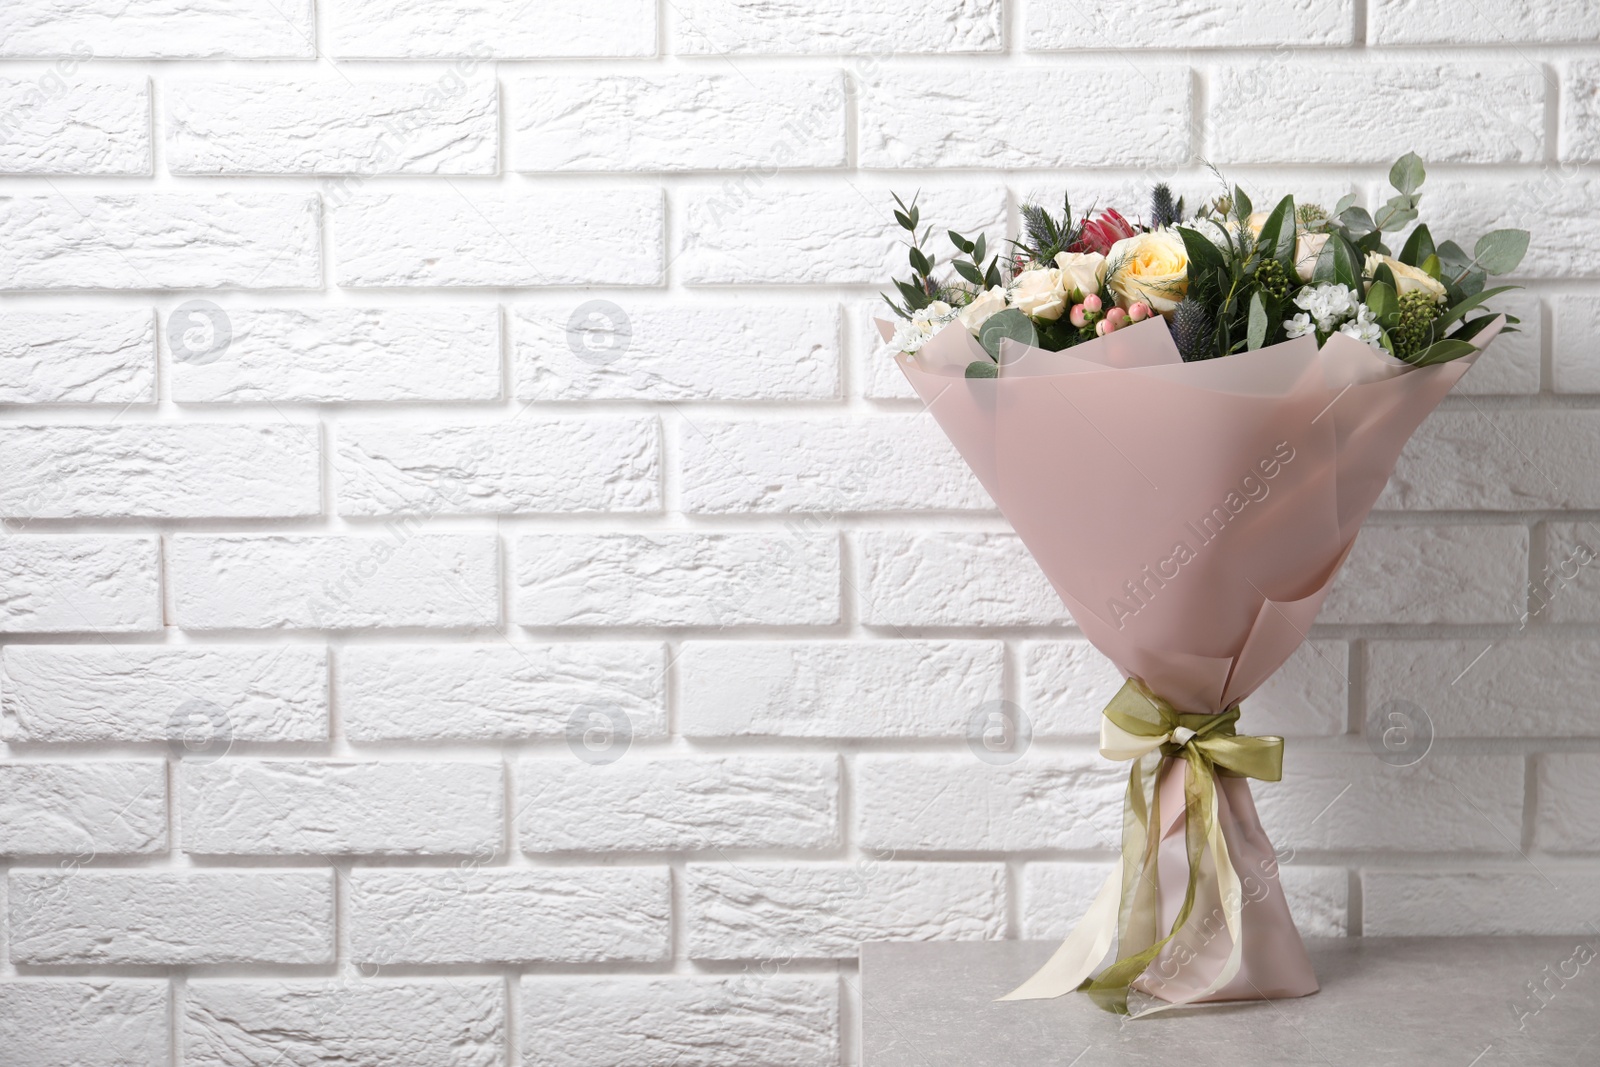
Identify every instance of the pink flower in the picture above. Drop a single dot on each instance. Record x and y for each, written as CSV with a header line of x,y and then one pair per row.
x,y
1139,311
1092,302
1116,317
1101,233
1076,316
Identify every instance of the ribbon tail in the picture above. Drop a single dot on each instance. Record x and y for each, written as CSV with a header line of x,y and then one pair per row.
x,y
1082,951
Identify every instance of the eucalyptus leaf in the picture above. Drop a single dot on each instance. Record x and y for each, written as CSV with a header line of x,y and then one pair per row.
x,y
969,271
1408,173
1357,221
961,243
1258,322
1344,204
920,261
1501,251
982,368
978,249
1395,214
1010,323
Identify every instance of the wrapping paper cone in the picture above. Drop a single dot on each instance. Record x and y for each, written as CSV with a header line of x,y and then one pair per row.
x,y
1192,517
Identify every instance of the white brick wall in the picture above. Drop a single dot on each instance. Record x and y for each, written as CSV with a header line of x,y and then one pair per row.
x,y
469,597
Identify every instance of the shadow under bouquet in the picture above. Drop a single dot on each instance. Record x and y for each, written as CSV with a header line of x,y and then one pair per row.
x,y
1186,421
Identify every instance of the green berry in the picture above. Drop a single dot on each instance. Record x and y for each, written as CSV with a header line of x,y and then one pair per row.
x,y
1417,312
1272,279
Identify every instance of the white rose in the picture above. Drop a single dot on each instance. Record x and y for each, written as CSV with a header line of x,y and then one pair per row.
x,y
1038,293
1081,272
1256,221
1407,279
984,305
1307,250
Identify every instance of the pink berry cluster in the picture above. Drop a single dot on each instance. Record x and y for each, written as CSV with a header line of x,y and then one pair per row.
x,y
1088,316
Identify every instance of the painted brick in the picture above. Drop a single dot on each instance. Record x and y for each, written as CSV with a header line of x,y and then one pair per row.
x,y
320,807
83,356
1065,684
1567,588
1516,687
833,27
84,810
568,915
1056,895
1341,111
748,231
479,30
63,584
967,804
112,29
1420,574
356,1022
171,917
676,121
334,125
690,804
705,1020
214,470
550,238
1580,111
403,578
513,466
1190,24
1498,461
93,1022
933,579
1511,365
203,699
1568,791
835,688
602,350
1453,903
876,463
1494,22
984,118
499,692
229,241
1444,803
776,911
346,355
52,125
1552,204
677,579
1576,353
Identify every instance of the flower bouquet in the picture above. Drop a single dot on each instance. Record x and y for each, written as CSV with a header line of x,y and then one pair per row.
x,y
1186,421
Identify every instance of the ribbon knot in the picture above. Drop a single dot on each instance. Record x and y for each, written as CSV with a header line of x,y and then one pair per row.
x,y
1138,724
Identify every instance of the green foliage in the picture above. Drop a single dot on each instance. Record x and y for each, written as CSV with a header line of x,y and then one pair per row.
x,y
1414,314
1003,324
1046,236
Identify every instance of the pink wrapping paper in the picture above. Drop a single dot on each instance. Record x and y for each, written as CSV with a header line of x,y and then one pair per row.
x,y
1192,516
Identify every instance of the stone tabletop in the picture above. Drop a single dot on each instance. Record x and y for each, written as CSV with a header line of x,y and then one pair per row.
x,y
1406,1002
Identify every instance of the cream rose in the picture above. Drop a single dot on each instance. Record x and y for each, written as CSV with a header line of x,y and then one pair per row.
x,y
985,304
1081,272
1038,293
1257,220
1307,250
1407,279
1152,267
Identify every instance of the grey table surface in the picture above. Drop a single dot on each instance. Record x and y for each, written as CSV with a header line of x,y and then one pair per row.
x,y
1459,1002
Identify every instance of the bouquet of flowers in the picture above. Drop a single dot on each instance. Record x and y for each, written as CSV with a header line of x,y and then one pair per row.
x,y
1186,421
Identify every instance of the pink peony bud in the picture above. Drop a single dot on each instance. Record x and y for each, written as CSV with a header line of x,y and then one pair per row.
x,y
1139,311
1092,302
1103,327
1076,316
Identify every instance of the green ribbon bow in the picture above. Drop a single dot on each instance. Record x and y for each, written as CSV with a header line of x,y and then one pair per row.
x,y
1141,727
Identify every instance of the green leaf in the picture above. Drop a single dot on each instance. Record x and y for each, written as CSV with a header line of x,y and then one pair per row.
x,y
1460,309
1344,204
1347,261
920,262
983,368
1396,214
969,271
1472,328
1383,300
1276,240
904,220
1357,221
978,249
1442,352
1418,247
1010,323
961,243
1431,267
1201,252
1257,335
1385,275
1408,173
1241,204
1501,251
